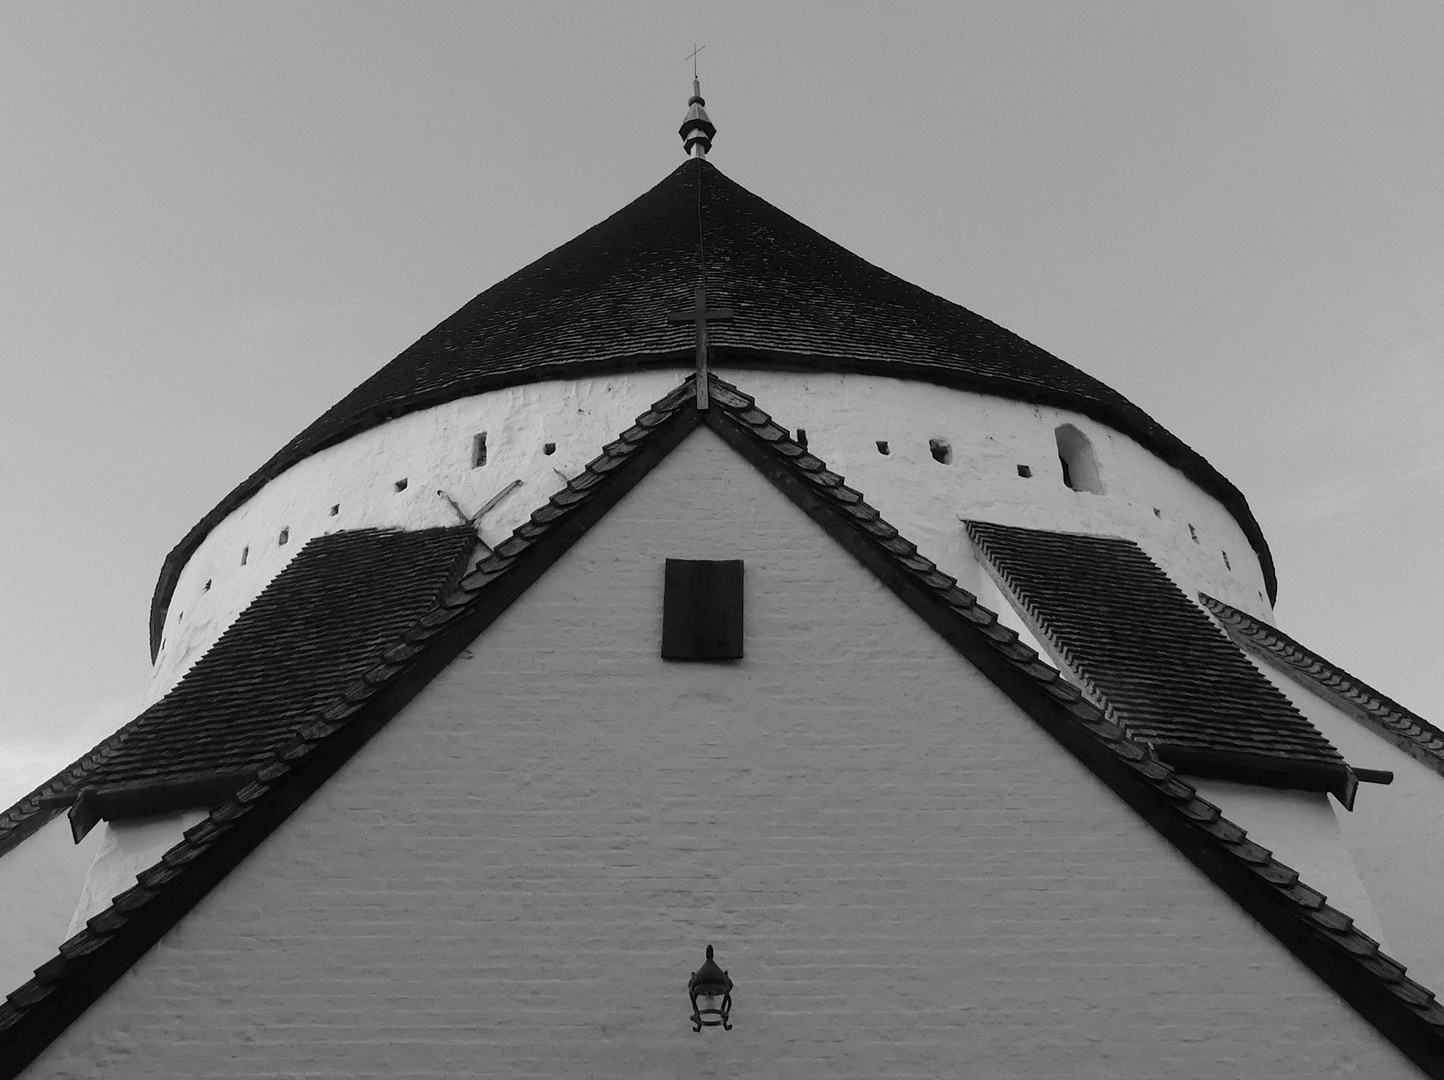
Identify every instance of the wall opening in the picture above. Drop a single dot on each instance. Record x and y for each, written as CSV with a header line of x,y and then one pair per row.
x,y
1079,462
245,554
401,484
549,448
284,537
478,450
335,509
942,451
1227,565
882,447
802,438
1025,471
1192,532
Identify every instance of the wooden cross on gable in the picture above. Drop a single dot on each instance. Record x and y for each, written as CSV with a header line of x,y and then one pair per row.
x,y
701,315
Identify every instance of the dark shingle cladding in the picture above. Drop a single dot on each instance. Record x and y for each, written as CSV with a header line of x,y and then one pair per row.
x,y
1298,916
599,303
1165,671
316,627
1407,730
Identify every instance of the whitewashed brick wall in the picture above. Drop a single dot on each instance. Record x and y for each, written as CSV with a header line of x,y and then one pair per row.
x,y
904,875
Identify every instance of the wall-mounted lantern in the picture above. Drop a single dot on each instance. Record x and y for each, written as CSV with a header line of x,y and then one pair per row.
x,y
711,992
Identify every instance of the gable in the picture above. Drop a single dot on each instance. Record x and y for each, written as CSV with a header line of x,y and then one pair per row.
x,y
902,871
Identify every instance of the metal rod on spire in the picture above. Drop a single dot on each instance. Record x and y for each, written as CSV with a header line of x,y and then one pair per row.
x,y
697,129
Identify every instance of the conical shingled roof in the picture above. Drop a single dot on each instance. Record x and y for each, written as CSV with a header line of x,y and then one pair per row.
x,y
600,302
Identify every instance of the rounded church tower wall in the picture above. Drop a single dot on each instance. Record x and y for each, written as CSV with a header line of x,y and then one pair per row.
x,y
926,456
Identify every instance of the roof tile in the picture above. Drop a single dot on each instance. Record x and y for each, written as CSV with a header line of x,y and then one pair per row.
x,y
1136,640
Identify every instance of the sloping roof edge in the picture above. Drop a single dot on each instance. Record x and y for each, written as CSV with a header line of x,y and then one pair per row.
x,y
1381,714
1323,938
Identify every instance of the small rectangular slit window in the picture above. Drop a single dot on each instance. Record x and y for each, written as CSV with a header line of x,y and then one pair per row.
x,y
702,610
478,450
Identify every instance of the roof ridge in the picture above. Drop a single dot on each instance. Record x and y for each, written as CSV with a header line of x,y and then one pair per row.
x,y
1323,937
1406,729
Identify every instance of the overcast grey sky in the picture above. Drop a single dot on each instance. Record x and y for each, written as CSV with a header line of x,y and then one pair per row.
x,y
215,219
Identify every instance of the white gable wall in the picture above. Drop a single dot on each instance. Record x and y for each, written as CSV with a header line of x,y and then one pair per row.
x,y
903,874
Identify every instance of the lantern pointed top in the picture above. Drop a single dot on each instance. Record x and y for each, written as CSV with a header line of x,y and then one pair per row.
x,y
697,130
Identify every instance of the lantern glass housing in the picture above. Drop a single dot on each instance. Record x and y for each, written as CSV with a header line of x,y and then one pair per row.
x,y
710,989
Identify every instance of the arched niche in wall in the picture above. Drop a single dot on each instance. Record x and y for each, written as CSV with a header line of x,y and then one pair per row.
x,y
1080,463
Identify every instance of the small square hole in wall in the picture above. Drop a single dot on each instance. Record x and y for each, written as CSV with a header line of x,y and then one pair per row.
x,y
549,448
335,509
802,438
284,537
702,610
1025,471
478,450
401,484
942,451
882,447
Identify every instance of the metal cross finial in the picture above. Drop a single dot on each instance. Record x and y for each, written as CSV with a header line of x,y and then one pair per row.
x,y
695,50
701,314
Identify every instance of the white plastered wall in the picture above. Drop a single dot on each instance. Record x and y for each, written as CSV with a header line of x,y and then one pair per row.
x,y
39,881
845,416
126,848
1395,833
902,872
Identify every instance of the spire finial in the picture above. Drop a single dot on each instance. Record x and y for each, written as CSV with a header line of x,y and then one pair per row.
x,y
697,130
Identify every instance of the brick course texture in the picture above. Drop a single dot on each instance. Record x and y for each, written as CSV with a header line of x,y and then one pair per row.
x,y
902,873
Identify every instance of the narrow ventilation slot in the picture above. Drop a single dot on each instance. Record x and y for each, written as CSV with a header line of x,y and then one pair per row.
x,y
478,450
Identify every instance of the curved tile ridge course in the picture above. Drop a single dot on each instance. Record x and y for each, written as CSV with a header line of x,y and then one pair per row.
x,y
1407,730
1322,937
599,303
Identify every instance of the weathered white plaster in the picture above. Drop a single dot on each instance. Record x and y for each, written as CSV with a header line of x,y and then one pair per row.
x,y
845,416
39,881
1395,833
125,849
903,873
1302,830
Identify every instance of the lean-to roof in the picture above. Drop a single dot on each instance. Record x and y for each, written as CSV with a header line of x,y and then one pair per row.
x,y
1165,672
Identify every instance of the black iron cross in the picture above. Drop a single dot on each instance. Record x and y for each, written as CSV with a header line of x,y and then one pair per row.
x,y
701,314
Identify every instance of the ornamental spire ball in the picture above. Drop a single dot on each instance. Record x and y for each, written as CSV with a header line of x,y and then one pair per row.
x,y
696,130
